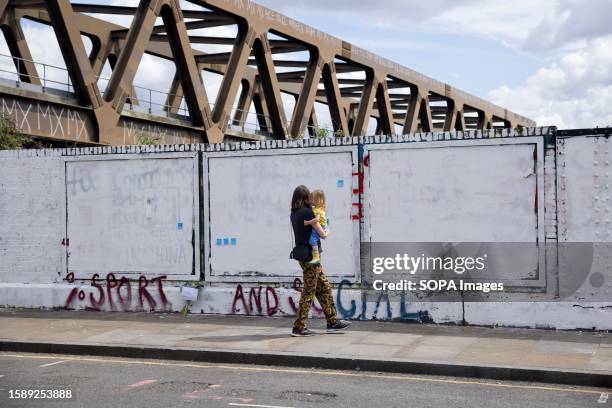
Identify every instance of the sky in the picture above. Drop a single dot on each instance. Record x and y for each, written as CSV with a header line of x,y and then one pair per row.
x,y
550,60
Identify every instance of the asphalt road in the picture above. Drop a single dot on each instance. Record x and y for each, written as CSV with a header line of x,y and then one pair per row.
x,y
114,382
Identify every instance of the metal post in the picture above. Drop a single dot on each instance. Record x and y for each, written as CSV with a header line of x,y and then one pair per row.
x,y
44,77
18,83
150,101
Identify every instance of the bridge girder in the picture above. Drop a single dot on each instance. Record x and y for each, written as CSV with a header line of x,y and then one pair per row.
x,y
354,83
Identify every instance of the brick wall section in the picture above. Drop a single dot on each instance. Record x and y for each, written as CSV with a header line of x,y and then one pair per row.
x,y
32,205
32,192
550,215
284,144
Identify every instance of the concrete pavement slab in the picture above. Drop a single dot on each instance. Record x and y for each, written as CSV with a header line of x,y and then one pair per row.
x,y
564,357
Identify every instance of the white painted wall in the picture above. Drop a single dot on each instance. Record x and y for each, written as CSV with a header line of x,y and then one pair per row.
x,y
249,202
133,215
485,179
585,216
31,218
476,191
480,191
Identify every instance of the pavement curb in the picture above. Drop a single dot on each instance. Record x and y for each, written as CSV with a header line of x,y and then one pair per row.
x,y
543,375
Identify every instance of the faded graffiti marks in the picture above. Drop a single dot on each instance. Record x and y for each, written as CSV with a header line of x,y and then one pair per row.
x,y
79,180
260,301
43,119
131,216
268,301
254,304
111,293
378,310
138,132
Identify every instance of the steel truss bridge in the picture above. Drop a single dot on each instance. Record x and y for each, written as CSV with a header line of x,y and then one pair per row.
x,y
274,71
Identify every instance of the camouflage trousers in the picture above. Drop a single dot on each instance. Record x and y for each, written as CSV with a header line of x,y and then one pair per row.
x,y
315,284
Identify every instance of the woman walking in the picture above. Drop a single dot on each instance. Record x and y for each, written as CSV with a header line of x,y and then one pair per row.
x,y
303,221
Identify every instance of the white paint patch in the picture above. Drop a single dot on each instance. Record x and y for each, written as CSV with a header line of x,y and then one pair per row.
x,y
250,196
52,364
454,193
603,398
141,383
134,216
235,404
31,207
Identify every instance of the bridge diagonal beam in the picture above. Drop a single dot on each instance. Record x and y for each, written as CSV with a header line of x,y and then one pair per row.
x,y
305,101
418,113
335,102
191,80
262,34
364,111
232,78
3,4
244,103
18,47
270,86
122,78
261,109
385,111
77,61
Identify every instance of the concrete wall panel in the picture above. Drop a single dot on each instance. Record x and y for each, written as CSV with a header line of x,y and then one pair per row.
x,y
133,215
249,197
32,224
585,216
466,191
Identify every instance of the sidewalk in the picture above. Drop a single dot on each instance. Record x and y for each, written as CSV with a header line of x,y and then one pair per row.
x,y
580,358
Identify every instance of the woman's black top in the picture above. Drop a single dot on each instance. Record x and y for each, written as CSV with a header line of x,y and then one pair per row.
x,y
301,231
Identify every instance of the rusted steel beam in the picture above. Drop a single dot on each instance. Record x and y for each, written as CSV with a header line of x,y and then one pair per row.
x,y
305,102
262,34
18,47
270,87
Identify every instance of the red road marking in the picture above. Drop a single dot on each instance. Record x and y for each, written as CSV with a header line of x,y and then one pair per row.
x,y
141,383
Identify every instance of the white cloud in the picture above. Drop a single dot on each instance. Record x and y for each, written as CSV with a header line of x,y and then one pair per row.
x,y
575,91
571,21
508,22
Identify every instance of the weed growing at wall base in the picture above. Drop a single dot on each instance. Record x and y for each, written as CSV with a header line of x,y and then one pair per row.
x,y
10,137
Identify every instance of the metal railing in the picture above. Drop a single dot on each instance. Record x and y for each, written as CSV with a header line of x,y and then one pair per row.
x,y
145,100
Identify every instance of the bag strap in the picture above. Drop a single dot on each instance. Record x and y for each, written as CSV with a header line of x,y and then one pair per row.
x,y
291,229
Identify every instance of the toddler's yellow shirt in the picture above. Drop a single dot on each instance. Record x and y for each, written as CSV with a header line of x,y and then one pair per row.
x,y
320,211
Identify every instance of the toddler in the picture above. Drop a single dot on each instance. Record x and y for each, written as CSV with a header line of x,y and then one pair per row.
x,y
317,200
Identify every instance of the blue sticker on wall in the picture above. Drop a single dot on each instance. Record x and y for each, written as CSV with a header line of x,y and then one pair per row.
x,y
340,183
225,241
219,242
233,241
179,226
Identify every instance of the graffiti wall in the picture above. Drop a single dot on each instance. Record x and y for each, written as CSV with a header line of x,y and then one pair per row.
x,y
58,116
248,204
40,118
452,192
133,215
124,229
